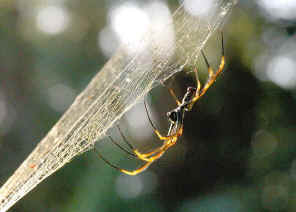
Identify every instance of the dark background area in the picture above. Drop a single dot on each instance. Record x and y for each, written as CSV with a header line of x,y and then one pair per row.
x,y
238,149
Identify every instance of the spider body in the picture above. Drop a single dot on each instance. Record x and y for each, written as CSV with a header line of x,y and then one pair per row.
x,y
176,116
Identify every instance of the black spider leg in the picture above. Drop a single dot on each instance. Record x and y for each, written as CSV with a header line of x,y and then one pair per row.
x,y
172,93
147,113
122,148
107,161
155,129
128,143
222,52
138,170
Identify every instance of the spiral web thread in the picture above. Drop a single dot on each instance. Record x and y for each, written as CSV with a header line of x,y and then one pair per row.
x,y
121,83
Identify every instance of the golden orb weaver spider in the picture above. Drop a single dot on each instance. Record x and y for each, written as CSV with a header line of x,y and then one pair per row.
x,y
175,117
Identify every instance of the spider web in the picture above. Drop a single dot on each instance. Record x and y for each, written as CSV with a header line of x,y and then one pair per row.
x,y
121,83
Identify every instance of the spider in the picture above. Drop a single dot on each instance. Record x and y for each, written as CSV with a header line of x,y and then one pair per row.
x,y
175,117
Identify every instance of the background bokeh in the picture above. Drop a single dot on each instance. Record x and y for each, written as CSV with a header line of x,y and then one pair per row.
x,y
238,150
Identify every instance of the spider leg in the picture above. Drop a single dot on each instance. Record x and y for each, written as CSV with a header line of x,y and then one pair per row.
x,y
177,134
137,171
198,87
136,153
172,93
134,172
157,153
161,137
122,148
210,70
154,154
169,141
125,140
198,84
212,75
